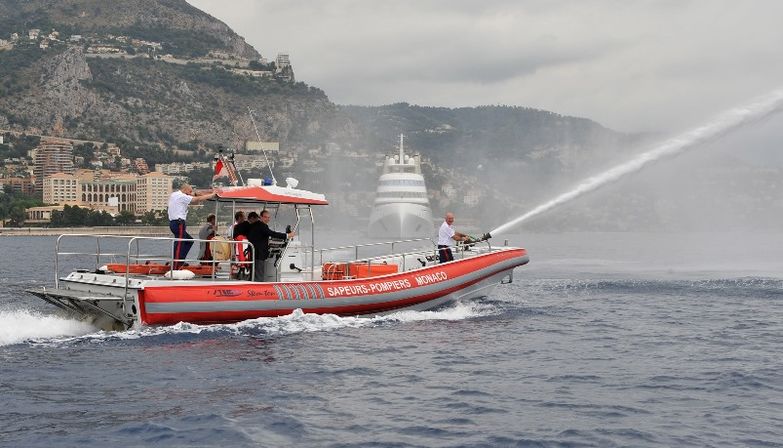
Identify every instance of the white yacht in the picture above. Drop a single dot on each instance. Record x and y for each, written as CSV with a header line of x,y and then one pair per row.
x,y
402,209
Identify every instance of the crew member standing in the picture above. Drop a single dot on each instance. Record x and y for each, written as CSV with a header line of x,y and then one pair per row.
x,y
447,235
259,236
178,214
239,218
243,228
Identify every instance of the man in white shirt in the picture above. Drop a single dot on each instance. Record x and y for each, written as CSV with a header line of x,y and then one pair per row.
x,y
178,214
446,236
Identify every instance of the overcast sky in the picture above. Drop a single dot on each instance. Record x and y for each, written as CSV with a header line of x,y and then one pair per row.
x,y
630,65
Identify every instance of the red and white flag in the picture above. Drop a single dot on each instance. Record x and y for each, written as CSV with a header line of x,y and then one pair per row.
x,y
220,170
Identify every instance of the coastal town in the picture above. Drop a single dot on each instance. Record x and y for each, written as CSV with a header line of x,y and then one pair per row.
x,y
63,172
109,45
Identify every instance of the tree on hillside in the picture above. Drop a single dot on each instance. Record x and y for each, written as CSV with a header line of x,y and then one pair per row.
x,y
86,151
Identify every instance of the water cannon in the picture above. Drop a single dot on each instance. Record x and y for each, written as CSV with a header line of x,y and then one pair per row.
x,y
477,239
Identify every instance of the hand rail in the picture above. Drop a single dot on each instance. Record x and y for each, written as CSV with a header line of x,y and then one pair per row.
x,y
392,243
462,247
356,247
97,253
138,257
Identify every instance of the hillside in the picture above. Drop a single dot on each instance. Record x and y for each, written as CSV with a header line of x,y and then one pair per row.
x,y
185,29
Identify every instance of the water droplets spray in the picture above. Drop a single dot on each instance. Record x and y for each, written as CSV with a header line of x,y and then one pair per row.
x,y
722,124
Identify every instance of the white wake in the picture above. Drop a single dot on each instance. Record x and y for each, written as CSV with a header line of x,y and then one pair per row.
x,y
297,322
22,325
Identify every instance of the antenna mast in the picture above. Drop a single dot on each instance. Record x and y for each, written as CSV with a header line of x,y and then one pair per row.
x,y
258,136
402,160
237,174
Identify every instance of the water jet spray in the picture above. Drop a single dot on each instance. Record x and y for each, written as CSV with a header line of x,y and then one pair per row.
x,y
719,126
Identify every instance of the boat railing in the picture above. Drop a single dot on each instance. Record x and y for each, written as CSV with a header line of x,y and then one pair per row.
x,y
317,257
462,251
402,259
133,254
356,248
462,248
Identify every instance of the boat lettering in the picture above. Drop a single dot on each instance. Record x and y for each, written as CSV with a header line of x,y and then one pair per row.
x,y
260,293
390,285
431,278
352,290
226,292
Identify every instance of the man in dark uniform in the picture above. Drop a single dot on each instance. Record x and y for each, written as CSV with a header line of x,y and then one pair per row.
x,y
259,235
239,218
243,227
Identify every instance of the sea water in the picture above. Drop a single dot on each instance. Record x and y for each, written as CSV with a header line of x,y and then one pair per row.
x,y
603,340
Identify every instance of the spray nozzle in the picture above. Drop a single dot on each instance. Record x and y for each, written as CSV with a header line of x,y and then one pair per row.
x,y
473,239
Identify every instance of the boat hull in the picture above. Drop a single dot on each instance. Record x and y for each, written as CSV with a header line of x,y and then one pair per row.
x,y
401,220
421,289
154,301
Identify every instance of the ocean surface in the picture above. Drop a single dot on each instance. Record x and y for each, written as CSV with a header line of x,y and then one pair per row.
x,y
604,339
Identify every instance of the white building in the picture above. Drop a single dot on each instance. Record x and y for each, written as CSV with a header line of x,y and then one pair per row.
x,y
61,188
152,192
282,60
256,146
180,168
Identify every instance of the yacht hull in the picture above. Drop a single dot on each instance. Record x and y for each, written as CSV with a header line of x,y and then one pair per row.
x,y
401,221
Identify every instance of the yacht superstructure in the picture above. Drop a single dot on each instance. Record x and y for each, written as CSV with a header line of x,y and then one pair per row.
x,y
402,208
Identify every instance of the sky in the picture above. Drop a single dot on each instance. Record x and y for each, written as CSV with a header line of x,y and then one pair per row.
x,y
633,66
